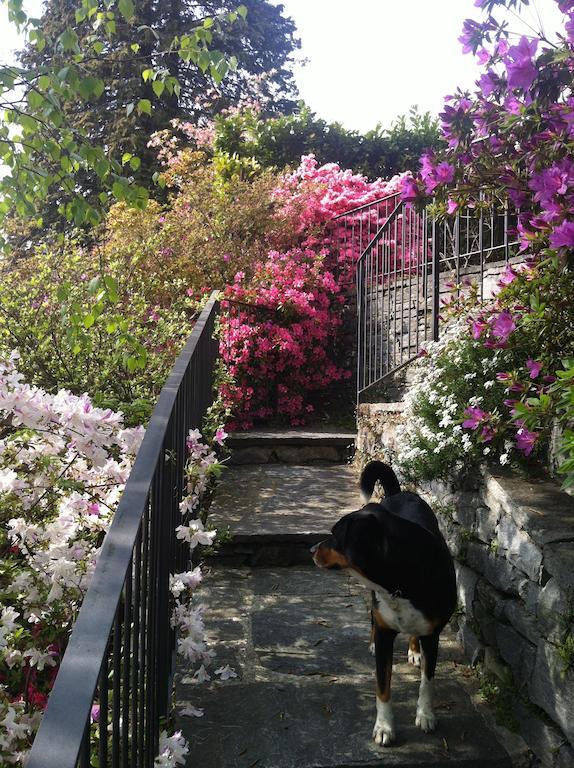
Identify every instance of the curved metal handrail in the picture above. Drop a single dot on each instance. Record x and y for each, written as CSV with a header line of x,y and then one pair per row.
x,y
63,736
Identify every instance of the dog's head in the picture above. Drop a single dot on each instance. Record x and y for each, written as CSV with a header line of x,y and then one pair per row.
x,y
357,541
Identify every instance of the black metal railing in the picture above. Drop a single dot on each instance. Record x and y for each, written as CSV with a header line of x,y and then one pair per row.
x,y
120,656
406,264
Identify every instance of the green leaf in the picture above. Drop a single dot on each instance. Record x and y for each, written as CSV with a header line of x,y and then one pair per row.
x,y
89,320
126,157
158,87
242,11
111,327
147,74
135,163
69,40
130,108
127,9
144,105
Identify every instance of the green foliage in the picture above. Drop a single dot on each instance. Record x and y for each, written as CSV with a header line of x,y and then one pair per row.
x,y
81,324
276,142
121,71
462,373
43,144
500,694
566,653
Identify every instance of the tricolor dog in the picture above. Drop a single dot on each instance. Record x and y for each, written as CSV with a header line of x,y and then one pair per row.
x,y
396,550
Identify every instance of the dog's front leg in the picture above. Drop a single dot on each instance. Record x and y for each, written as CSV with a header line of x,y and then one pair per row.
x,y
384,730
425,718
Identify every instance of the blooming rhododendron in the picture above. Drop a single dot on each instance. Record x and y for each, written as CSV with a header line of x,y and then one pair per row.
x,y
281,329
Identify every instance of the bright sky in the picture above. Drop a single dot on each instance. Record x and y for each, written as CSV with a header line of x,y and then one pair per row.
x,y
370,60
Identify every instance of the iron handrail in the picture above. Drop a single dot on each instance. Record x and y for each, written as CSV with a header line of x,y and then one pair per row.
x,y
365,205
63,736
380,232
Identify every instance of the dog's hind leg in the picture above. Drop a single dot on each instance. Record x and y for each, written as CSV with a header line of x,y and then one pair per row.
x,y
384,730
372,636
414,654
425,718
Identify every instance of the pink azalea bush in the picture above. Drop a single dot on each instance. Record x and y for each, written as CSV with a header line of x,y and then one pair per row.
x,y
280,336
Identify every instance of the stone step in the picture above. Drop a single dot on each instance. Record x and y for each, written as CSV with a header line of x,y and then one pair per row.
x,y
274,513
291,446
297,638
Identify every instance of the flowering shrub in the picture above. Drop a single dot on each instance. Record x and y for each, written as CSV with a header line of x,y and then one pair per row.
x,y
281,349
493,387
513,135
88,324
511,138
63,464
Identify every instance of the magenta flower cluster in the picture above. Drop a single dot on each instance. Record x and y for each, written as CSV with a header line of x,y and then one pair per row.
x,y
512,136
282,325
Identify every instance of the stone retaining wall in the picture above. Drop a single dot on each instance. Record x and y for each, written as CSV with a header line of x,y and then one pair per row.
x,y
513,543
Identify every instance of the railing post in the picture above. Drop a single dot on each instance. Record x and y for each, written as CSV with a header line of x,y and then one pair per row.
x,y
435,281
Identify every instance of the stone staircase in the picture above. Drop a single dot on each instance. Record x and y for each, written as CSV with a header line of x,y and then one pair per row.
x,y
297,639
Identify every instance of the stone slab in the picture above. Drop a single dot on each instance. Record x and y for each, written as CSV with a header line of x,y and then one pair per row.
x,y
278,504
289,437
304,695
322,725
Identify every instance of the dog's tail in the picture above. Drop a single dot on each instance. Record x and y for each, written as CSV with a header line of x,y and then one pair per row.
x,y
376,470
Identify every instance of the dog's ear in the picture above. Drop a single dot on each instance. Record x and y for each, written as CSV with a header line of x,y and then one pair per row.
x,y
367,542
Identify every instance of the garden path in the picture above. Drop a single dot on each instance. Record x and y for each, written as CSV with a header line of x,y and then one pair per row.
x,y
297,639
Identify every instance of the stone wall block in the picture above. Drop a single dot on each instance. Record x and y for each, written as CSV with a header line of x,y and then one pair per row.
x,y
529,594
472,645
453,535
519,548
517,652
552,689
524,622
466,581
497,570
544,739
555,606
486,523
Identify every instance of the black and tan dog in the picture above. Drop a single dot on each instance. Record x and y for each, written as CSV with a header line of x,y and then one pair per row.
x,y
395,549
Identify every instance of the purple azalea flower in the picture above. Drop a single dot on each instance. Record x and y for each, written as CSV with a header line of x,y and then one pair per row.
x,y
507,276
549,379
444,173
520,67
487,434
488,83
563,235
95,713
502,326
526,440
503,376
477,328
451,206
409,190
474,417
534,366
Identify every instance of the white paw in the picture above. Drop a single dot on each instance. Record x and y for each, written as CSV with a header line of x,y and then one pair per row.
x,y
425,720
414,657
372,649
384,730
383,733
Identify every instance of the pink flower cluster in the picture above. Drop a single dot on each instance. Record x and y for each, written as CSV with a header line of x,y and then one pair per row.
x,y
280,332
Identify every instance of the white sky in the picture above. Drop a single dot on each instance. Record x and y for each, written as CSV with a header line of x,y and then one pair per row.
x,y
370,60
